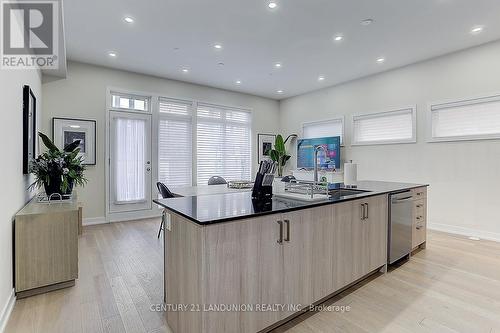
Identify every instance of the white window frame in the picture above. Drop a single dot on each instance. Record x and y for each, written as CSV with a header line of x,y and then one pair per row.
x,y
152,109
413,139
342,120
484,98
120,92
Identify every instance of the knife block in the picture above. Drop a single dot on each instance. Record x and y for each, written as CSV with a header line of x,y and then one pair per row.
x,y
259,191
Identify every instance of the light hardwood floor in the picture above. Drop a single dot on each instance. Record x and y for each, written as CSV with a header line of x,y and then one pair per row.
x,y
452,286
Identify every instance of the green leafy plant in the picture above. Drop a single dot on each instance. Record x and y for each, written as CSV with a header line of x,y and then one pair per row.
x,y
60,168
279,154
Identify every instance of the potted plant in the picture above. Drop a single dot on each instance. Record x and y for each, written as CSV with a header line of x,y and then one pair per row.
x,y
279,154
58,170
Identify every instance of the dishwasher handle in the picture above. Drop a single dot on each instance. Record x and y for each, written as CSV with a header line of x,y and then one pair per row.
x,y
405,199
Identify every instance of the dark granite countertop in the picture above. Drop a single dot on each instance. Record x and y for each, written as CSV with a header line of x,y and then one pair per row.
x,y
216,208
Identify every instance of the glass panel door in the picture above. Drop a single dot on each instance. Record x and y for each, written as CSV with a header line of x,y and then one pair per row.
x,y
130,161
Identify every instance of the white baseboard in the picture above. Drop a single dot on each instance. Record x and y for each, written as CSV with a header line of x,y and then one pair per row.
x,y
122,217
94,220
6,311
468,232
134,215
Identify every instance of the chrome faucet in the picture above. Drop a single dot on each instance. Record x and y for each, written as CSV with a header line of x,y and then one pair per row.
x,y
316,150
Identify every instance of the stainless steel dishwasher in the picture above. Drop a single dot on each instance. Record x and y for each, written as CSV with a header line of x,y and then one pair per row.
x,y
400,225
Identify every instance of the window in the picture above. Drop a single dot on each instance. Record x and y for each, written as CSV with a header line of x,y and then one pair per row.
x,y
466,120
175,142
223,143
386,127
321,129
130,102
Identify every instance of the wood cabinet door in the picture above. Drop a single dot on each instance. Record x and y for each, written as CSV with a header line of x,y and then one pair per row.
x,y
243,267
359,239
376,228
343,245
299,270
369,235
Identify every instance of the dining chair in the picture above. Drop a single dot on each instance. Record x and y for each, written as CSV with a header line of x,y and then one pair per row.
x,y
165,194
216,180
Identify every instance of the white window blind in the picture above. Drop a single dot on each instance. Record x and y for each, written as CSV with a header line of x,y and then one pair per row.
x,y
321,129
175,142
223,143
129,102
386,127
466,120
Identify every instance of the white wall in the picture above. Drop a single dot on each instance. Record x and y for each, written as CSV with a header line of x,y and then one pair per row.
x,y
464,177
83,95
14,184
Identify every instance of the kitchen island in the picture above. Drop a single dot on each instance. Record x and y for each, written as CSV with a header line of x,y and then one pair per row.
x,y
236,265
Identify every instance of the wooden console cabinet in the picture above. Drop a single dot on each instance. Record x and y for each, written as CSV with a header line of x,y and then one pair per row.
x,y
46,247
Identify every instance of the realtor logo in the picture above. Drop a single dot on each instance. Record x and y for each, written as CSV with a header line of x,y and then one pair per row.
x,y
30,32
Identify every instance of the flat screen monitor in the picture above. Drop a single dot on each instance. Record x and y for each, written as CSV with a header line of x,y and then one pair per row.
x,y
328,158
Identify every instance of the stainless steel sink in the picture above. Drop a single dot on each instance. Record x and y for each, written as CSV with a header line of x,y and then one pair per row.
x,y
344,192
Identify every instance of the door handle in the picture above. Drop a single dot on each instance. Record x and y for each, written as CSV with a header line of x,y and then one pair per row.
x,y
362,212
366,210
148,169
287,237
280,239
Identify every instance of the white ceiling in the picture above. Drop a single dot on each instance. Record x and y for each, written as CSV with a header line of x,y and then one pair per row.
x,y
168,35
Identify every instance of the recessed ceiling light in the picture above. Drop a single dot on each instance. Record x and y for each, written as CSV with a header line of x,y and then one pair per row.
x,y
238,82
477,29
279,91
218,46
128,19
368,21
321,78
272,4
112,54
338,38
278,65
380,60
185,70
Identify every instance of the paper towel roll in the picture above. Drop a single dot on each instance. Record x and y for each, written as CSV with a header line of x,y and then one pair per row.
x,y
350,174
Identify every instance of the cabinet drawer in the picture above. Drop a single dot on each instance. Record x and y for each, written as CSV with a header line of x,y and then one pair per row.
x,y
419,192
418,234
420,211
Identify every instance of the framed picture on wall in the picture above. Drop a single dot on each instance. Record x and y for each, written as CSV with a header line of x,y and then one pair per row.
x,y
68,130
29,128
264,144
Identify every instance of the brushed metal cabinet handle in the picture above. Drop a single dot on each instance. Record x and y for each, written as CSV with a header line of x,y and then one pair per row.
x,y
362,212
366,217
280,239
287,237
